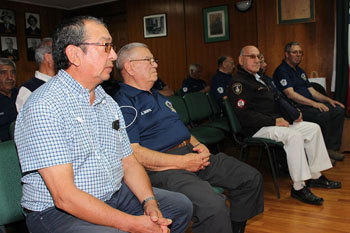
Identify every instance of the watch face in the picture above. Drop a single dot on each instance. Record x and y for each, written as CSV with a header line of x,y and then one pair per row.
x,y
243,5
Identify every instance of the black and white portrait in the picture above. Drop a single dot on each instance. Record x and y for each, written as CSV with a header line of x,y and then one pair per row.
x,y
32,44
32,24
9,47
154,25
216,23
7,21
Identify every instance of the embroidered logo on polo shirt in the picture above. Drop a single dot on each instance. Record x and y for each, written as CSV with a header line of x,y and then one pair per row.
x,y
283,82
170,105
146,111
303,76
237,88
184,89
241,103
220,90
2,113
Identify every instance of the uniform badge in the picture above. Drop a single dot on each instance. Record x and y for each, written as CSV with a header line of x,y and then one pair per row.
x,y
237,88
220,90
170,105
303,76
240,103
184,89
283,82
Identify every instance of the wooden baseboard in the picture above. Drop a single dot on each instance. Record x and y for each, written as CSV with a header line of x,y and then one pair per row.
x,y
345,145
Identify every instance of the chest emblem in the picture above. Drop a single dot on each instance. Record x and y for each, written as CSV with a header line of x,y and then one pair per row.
x,y
220,90
303,76
283,82
146,111
170,105
240,103
237,88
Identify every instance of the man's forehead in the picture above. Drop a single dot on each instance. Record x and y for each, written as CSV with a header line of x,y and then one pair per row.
x,y
295,47
137,51
6,67
96,31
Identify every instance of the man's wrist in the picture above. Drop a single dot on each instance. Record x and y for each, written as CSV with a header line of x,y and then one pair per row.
x,y
147,200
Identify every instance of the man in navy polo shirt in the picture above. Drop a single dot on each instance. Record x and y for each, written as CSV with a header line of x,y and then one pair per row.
x,y
175,160
8,94
222,77
316,107
193,82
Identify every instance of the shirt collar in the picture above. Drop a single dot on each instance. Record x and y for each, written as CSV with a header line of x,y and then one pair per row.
x,y
132,91
41,76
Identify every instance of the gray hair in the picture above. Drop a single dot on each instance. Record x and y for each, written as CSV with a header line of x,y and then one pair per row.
x,y
289,45
7,62
125,52
44,47
194,66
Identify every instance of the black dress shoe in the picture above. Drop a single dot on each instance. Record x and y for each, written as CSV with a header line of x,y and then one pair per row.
x,y
305,195
323,182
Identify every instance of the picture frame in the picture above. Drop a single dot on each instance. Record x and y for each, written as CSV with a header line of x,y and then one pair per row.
x,y
295,11
216,24
7,21
32,44
32,22
9,48
154,26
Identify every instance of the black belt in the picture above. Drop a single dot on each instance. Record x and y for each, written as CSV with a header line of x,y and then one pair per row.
x,y
27,211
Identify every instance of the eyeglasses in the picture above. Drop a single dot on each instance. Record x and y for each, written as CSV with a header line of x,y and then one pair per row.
x,y
252,56
108,46
297,52
151,60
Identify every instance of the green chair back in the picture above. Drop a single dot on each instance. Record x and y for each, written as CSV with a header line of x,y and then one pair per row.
x,y
10,184
180,107
234,123
198,106
213,104
12,130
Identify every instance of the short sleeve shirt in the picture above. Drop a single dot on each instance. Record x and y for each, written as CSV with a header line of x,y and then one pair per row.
x,y
58,125
219,84
192,85
285,76
150,118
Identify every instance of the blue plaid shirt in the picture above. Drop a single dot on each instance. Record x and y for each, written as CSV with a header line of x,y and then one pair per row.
x,y
57,125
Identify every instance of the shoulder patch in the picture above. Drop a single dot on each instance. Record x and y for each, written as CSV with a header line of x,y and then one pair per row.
x,y
220,90
237,88
303,76
170,105
184,89
283,82
240,103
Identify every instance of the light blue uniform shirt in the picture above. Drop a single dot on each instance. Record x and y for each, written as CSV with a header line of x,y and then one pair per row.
x,y
57,125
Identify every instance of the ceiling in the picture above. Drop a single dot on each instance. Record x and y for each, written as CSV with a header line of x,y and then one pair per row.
x,y
64,4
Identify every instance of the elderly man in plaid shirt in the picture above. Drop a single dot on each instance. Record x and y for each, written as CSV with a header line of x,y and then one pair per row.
x,y
80,173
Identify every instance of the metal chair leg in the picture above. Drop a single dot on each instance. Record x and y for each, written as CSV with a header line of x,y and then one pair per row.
x,y
273,171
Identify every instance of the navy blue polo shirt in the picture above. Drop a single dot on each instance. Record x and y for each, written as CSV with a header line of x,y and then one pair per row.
x,y
285,76
193,85
157,125
8,113
219,84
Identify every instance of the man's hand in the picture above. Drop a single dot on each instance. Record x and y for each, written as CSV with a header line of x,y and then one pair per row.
x,y
282,122
334,103
145,224
152,210
320,106
200,148
196,161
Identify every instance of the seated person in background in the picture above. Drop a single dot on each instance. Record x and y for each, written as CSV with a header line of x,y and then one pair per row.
x,y
316,107
222,77
175,159
43,57
261,115
80,173
163,88
193,82
8,94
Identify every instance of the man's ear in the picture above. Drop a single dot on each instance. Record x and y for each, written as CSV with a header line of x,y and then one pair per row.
x,y
73,55
128,68
240,60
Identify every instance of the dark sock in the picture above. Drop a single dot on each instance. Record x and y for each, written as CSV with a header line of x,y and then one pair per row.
x,y
238,227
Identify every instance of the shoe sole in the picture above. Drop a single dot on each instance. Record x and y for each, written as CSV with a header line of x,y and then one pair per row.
x,y
302,200
320,186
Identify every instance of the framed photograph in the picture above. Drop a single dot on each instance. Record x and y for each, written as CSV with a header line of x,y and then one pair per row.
x,y
7,21
32,44
216,24
32,22
295,11
154,26
9,47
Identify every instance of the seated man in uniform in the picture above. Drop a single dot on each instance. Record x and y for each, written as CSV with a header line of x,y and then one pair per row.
x,y
222,77
316,107
175,159
163,88
8,94
193,82
80,173
261,115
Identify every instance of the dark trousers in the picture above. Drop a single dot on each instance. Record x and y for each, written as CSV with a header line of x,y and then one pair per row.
x,y
173,205
331,123
210,213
